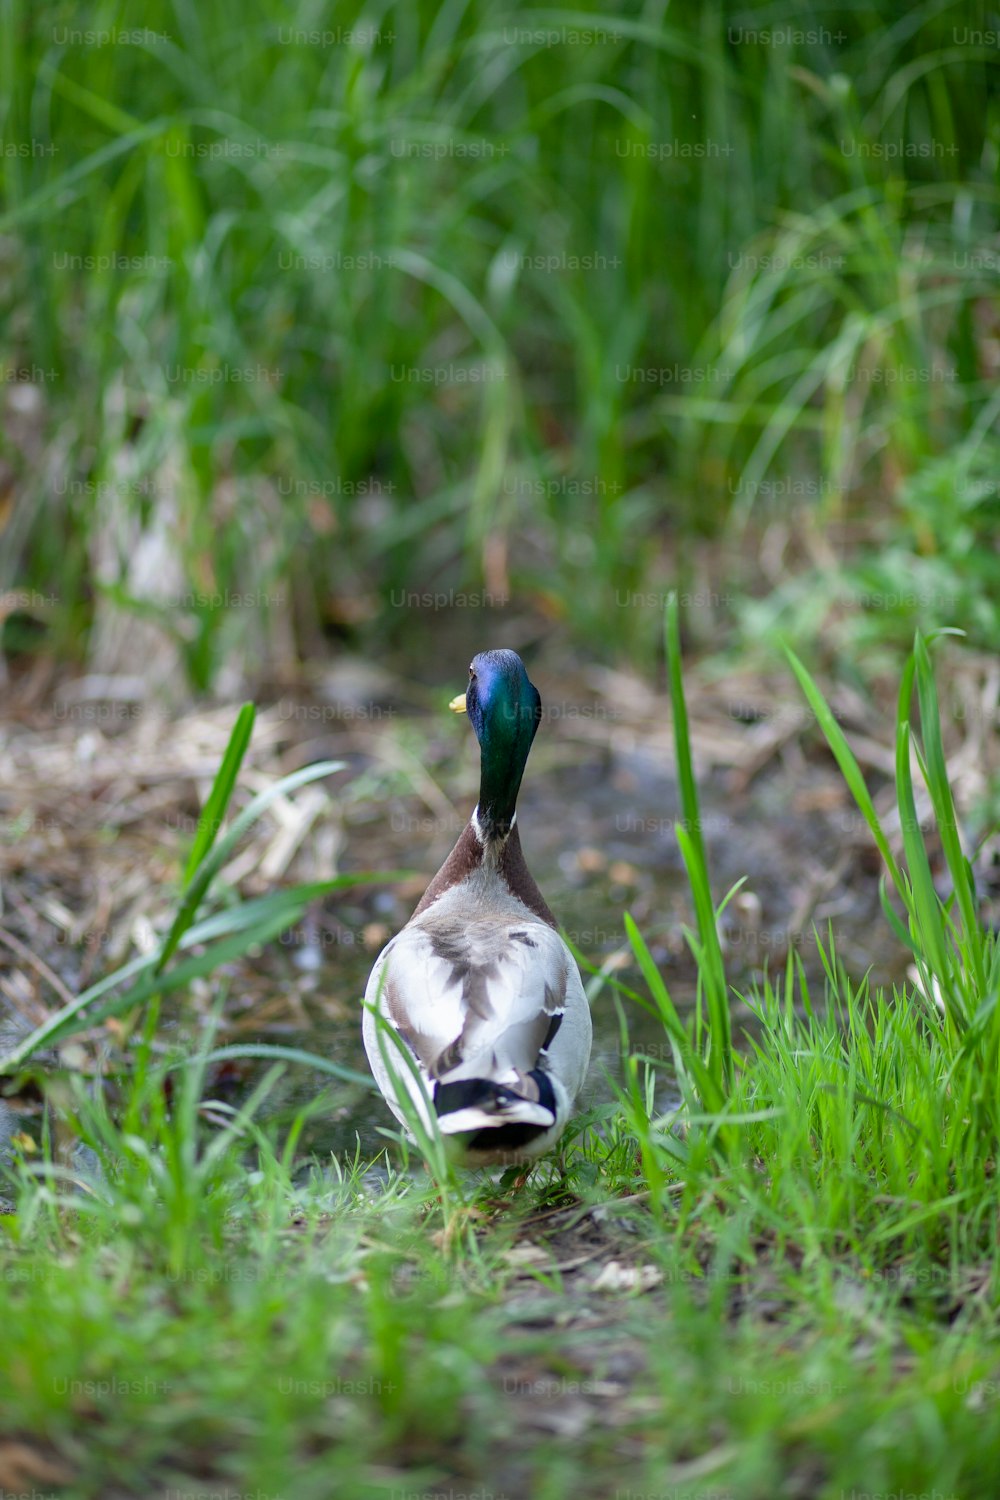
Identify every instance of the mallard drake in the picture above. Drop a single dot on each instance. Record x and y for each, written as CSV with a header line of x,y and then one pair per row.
x,y
479,985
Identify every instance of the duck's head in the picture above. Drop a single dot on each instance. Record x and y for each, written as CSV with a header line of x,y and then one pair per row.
x,y
505,710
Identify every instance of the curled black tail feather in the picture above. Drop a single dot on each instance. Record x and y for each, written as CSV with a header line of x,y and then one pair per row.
x,y
483,1093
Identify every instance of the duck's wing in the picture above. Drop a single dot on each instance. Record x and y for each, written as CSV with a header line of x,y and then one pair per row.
x,y
482,1000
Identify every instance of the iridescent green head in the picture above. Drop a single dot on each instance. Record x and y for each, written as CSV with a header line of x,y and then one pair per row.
x,y
505,709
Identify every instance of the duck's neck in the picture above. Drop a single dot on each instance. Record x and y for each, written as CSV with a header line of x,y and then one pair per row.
x,y
501,768
492,833
498,859
513,870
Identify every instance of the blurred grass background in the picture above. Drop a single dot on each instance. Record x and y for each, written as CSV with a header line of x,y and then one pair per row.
x,y
309,308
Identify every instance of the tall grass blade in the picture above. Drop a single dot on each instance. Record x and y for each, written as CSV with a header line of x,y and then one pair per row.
x,y
265,1050
692,846
849,767
944,809
214,810
213,861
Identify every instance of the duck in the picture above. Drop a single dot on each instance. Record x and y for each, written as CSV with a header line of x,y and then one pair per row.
x,y
479,987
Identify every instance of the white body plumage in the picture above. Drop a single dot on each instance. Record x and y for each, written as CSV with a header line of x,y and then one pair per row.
x,y
474,986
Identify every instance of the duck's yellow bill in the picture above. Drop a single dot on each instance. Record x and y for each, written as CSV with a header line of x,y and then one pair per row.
x,y
457,705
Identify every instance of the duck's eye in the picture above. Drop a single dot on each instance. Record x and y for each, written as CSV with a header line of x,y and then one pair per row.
x,y
472,674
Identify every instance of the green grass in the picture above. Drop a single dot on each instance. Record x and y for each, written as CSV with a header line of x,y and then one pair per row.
x,y
192,1304
806,302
